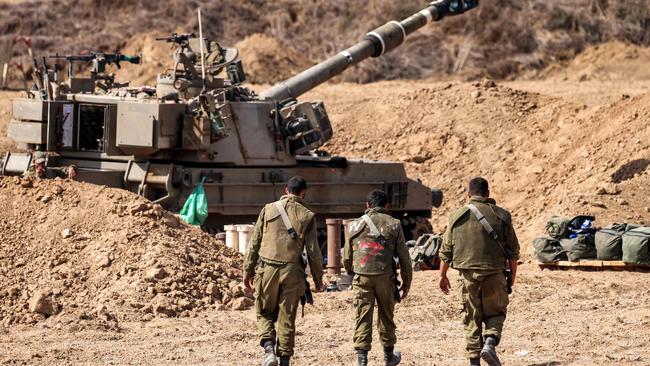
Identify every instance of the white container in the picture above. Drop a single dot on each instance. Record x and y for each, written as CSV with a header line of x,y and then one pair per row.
x,y
232,237
245,234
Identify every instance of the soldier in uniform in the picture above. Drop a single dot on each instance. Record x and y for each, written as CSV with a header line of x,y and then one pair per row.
x,y
480,257
274,264
39,170
374,239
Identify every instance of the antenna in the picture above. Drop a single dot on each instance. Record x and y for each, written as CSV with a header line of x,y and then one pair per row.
x,y
202,54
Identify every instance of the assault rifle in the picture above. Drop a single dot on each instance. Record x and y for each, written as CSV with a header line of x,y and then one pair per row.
x,y
99,60
179,39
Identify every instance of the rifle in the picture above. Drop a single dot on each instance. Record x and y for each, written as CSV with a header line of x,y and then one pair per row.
x,y
179,39
99,60
396,281
307,297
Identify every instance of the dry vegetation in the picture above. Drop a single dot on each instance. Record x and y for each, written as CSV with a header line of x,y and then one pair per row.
x,y
500,39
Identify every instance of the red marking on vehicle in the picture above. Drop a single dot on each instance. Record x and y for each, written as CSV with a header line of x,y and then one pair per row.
x,y
373,250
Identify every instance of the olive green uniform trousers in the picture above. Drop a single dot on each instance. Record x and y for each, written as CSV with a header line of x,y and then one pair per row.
x,y
369,290
485,300
278,289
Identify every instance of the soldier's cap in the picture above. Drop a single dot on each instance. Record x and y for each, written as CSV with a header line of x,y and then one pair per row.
x,y
39,157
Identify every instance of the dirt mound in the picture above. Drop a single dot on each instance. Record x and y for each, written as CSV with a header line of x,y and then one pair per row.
x,y
156,58
542,155
608,61
91,253
266,61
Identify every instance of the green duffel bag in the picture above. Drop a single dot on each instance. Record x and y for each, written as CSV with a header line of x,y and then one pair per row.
x,y
609,242
636,246
558,227
582,247
549,250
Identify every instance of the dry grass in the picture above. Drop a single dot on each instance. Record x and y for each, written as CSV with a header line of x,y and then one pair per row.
x,y
500,39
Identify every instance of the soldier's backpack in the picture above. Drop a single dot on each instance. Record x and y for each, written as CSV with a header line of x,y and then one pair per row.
x,y
558,227
549,250
580,247
609,242
424,252
636,246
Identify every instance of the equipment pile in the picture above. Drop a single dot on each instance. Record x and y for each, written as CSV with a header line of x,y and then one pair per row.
x,y
577,240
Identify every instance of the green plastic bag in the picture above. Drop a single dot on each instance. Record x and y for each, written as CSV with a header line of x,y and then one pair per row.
x,y
195,209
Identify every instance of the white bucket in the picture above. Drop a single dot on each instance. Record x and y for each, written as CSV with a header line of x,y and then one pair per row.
x,y
232,237
245,234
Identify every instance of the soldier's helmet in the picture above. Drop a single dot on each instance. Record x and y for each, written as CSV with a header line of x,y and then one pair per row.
x,y
39,157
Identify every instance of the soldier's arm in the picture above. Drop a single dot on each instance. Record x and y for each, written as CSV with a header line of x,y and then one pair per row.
x,y
406,268
60,172
252,255
513,247
348,255
446,252
512,242
314,255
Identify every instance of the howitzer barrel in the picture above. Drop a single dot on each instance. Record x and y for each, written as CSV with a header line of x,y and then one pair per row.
x,y
381,40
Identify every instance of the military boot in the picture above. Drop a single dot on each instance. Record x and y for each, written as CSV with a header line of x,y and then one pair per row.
x,y
489,352
475,361
269,355
362,357
284,360
391,358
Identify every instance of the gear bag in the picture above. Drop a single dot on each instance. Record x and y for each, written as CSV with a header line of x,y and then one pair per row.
x,y
549,250
636,246
609,242
557,227
424,252
580,247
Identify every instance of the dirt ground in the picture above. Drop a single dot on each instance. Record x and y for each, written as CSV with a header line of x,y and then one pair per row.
x,y
552,144
555,318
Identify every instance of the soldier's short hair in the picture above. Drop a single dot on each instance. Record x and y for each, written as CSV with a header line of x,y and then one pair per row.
x,y
296,185
377,198
479,187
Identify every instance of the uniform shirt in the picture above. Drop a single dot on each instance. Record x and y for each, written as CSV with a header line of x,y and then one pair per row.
x,y
48,173
271,242
466,243
380,260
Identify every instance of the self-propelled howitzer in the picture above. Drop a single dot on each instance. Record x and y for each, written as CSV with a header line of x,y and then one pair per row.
x,y
200,123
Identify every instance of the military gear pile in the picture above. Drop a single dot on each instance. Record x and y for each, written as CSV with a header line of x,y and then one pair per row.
x,y
571,239
575,239
424,252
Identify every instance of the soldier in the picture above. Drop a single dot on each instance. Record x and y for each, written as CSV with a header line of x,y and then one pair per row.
x,y
374,240
275,264
39,170
481,243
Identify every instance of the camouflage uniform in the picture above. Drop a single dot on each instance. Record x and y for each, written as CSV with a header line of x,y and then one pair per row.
x,y
468,248
372,267
48,173
275,261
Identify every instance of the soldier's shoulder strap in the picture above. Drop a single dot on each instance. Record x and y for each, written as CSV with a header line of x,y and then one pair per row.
x,y
371,225
285,219
486,225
